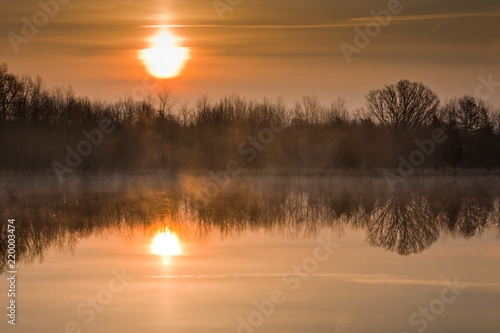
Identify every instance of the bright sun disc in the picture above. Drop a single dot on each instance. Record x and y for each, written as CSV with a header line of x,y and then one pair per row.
x,y
166,244
165,59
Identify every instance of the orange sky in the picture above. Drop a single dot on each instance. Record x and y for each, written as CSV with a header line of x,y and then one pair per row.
x,y
260,48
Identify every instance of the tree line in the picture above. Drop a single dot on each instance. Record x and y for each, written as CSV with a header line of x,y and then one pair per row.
x,y
40,125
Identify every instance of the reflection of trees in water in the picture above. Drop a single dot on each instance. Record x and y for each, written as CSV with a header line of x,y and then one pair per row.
x,y
407,221
495,215
403,223
463,212
473,218
59,220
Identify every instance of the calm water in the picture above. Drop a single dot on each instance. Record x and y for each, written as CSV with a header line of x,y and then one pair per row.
x,y
265,255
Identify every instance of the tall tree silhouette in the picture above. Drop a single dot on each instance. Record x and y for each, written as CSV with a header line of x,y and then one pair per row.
x,y
403,106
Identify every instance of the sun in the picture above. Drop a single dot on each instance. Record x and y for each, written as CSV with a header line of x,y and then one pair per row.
x,y
165,59
166,244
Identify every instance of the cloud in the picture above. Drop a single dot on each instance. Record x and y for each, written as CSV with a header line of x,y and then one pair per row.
x,y
343,24
222,26
372,279
438,16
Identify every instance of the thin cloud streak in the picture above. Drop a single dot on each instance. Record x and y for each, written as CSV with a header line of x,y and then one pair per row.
x,y
440,16
344,24
312,26
402,282
372,279
263,275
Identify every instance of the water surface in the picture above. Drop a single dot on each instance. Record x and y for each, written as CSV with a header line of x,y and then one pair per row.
x,y
334,254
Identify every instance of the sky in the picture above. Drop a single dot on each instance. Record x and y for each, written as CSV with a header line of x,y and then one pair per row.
x,y
257,49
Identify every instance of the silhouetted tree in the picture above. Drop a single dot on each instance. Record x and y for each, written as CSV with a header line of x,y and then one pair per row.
x,y
469,113
403,106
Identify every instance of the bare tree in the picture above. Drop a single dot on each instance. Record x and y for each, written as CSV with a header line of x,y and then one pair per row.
x,y
337,113
186,114
166,101
9,89
403,106
495,120
308,111
468,113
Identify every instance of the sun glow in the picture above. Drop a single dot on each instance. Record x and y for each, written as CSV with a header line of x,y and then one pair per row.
x,y
166,244
165,59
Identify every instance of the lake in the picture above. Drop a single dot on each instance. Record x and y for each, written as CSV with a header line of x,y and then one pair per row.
x,y
252,254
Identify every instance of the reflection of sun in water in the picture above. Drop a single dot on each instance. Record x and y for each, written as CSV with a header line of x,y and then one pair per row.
x,y
166,244
165,59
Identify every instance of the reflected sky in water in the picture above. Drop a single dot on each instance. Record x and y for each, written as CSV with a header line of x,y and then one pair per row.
x,y
202,267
